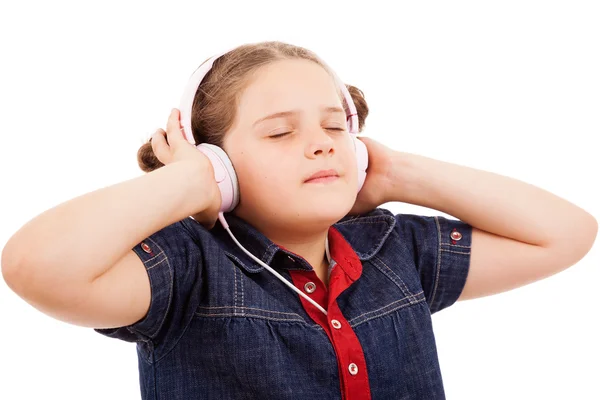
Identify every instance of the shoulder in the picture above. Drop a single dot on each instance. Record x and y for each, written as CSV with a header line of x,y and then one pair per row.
x,y
437,248
178,239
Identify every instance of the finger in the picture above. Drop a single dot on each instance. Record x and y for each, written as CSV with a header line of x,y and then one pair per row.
x,y
174,133
160,147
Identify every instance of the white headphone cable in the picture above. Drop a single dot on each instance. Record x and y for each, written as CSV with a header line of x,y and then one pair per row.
x,y
226,226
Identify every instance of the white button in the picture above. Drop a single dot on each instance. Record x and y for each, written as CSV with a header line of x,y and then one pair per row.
x,y
310,287
336,324
353,369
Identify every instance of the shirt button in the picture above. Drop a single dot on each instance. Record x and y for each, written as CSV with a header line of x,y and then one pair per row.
x,y
455,235
353,369
336,324
146,248
310,287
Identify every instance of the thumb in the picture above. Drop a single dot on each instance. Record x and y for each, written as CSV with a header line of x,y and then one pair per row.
x,y
160,147
175,134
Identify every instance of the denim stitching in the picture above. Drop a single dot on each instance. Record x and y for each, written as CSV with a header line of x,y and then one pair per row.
x,y
374,220
251,308
165,259
455,245
174,345
251,315
157,262
404,288
455,252
382,313
241,287
438,264
234,290
366,220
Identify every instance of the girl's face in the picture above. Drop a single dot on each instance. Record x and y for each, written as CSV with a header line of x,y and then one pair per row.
x,y
290,124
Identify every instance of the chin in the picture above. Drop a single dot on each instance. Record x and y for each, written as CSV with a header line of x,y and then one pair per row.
x,y
325,209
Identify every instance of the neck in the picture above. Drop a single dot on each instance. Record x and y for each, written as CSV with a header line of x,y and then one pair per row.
x,y
314,251
309,243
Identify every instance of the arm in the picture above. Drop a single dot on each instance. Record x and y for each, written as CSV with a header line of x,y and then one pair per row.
x,y
521,233
54,257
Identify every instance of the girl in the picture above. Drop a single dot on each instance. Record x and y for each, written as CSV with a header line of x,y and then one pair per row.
x,y
307,288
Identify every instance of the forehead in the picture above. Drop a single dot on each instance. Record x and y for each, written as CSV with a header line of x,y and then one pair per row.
x,y
288,84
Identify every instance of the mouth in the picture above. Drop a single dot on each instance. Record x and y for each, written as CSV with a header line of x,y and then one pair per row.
x,y
323,176
323,179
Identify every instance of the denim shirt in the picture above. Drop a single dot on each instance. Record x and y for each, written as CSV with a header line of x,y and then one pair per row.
x,y
220,326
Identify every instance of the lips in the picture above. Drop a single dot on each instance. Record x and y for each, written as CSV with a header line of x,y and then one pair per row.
x,y
322,174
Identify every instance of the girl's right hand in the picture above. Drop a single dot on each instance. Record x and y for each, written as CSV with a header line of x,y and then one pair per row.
x,y
175,148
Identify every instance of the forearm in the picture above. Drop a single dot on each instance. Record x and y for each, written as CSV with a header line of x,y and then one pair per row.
x,y
82,238
488,201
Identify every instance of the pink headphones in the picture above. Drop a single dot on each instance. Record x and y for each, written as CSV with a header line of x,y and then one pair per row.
x,y
224,173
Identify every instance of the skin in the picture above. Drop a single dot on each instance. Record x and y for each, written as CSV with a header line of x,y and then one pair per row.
x,y
271,171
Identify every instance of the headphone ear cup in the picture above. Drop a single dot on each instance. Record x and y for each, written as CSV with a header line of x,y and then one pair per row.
x,y
224,175
362,160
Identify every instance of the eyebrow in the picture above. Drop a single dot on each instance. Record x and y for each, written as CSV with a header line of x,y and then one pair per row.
x,y
328,110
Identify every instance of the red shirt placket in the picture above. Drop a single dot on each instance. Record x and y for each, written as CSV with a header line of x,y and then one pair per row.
x,y
354,381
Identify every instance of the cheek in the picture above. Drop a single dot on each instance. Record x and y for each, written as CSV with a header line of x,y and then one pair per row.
x,y
263,181
265,171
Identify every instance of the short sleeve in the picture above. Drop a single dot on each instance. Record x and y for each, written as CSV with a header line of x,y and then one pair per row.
x,y
442,253
172,258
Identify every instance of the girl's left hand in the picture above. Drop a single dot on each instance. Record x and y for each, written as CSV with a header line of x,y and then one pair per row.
x,y
377,183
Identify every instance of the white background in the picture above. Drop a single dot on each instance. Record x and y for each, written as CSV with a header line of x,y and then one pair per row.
x,y
511,87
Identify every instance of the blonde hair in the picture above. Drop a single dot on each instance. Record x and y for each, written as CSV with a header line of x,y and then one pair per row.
x,y
216,100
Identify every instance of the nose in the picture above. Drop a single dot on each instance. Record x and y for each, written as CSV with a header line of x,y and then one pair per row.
x,y
320,143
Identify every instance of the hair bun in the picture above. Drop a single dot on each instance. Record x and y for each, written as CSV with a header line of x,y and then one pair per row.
x,y
362,109
146,158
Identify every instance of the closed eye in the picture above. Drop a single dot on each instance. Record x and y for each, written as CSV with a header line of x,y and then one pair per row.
x,y
285,133
280,135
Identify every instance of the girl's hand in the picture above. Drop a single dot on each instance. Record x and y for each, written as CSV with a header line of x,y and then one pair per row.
x,y
172,146
377,183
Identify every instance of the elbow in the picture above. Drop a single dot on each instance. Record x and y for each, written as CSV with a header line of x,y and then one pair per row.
x,y
42,291
575,243
18,269
13,272
589,232
22,268
43,286
9,263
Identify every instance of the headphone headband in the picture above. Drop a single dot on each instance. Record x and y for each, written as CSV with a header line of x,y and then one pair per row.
x,y
187,99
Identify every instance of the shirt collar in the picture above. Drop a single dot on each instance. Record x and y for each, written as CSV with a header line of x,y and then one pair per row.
x,y
352,239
